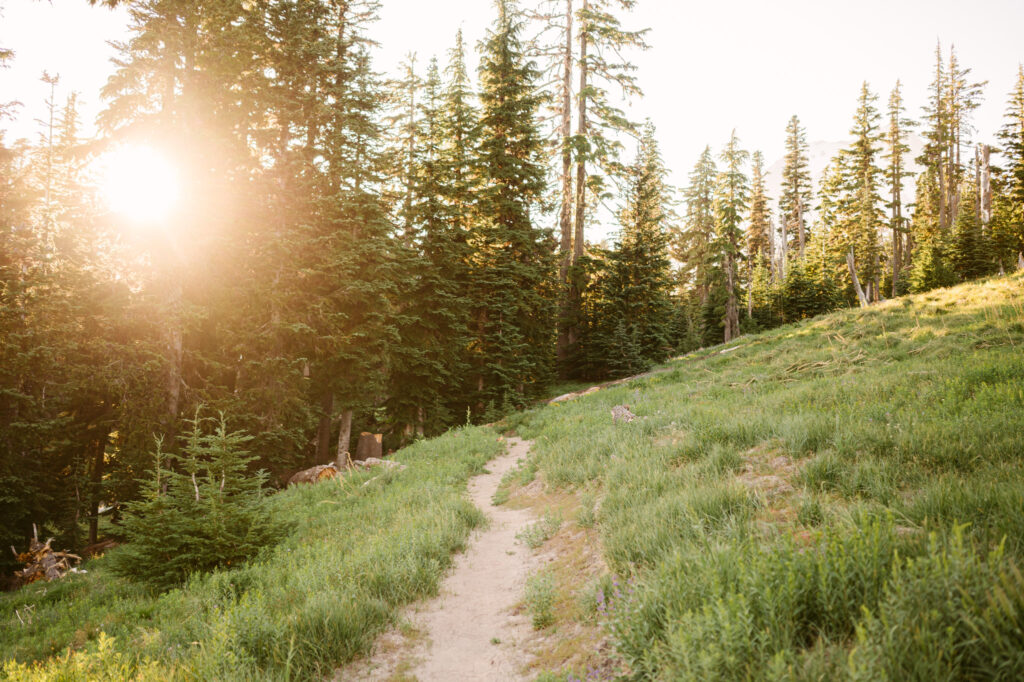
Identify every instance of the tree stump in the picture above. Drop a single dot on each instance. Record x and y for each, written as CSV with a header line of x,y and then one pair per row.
x,y
370,445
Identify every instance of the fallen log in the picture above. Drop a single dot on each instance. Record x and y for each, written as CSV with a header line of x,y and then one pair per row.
x,y
316,474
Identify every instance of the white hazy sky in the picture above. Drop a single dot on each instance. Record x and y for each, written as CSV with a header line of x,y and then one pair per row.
x,y
713,66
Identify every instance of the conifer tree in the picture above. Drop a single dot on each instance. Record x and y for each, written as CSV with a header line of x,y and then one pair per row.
x,y
599,65
796,191
970,254
1009,235
637,288
863,218
759,237
692,244
895,174
732,192
513,267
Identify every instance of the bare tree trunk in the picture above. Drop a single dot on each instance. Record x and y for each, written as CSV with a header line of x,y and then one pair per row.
x,y
732,313
579,240
986,184
801,230
96,483
344,438
565,218
323,434
175,359
943,196
851,263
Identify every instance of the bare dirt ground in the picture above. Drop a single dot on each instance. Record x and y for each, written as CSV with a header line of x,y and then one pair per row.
x,y
471,631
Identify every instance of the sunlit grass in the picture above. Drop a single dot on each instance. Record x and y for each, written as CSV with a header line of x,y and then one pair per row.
x,y
298,611
841,499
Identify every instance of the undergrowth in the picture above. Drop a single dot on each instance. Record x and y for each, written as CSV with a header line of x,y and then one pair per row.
x,y
316,600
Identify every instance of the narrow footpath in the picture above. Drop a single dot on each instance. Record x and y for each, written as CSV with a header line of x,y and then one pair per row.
x,y
471,631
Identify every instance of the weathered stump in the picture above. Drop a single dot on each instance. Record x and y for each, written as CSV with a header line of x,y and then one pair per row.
x,y
370,445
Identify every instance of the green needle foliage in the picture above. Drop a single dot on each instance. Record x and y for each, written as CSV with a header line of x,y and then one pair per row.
x,y
201,510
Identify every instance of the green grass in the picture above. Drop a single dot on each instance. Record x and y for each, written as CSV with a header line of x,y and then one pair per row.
x,y
298,611
838,499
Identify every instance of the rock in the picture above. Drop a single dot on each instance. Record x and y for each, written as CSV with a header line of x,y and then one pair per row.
x,y
375,462
315,475
369,446
622,413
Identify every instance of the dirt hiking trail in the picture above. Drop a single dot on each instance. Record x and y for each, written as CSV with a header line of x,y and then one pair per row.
x,y
470,632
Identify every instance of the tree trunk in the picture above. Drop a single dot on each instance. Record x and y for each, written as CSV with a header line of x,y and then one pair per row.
x,y
323,433
897,229
801,230
344,438
565,219
943,210
175,353
852,264
784,253
581,176
986,184
732,313
99,447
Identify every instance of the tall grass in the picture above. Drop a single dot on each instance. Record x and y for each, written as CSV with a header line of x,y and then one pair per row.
x,y
297,611
894,550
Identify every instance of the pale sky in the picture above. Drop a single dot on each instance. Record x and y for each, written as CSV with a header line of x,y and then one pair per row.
x,y
713,66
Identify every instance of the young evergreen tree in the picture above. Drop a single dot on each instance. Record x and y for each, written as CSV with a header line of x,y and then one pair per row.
x,y
202,509
514,262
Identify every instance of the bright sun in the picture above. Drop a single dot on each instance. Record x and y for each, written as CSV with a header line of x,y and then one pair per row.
x,y
140,184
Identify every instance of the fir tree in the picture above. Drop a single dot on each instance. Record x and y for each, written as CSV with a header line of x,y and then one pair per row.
x,y
759,228
513,275
731,196
692,244
863,218
200,510
895,174
796,190
1010,227
637,287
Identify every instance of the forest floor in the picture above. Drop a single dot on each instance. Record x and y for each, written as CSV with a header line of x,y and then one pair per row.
x,y
474,630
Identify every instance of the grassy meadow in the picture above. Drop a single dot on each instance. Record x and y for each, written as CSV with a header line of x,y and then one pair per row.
x,y
355,554
841,499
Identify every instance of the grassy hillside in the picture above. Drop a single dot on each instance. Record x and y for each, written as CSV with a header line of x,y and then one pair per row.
x,y
355,554
840,499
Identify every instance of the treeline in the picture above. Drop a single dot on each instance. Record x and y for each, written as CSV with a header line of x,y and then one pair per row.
x,y
351,254
854,239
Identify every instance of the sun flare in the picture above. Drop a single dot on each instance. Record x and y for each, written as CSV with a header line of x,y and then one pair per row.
x,y
140,184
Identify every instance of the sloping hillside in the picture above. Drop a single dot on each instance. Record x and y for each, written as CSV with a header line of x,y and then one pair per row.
x,y
839,499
